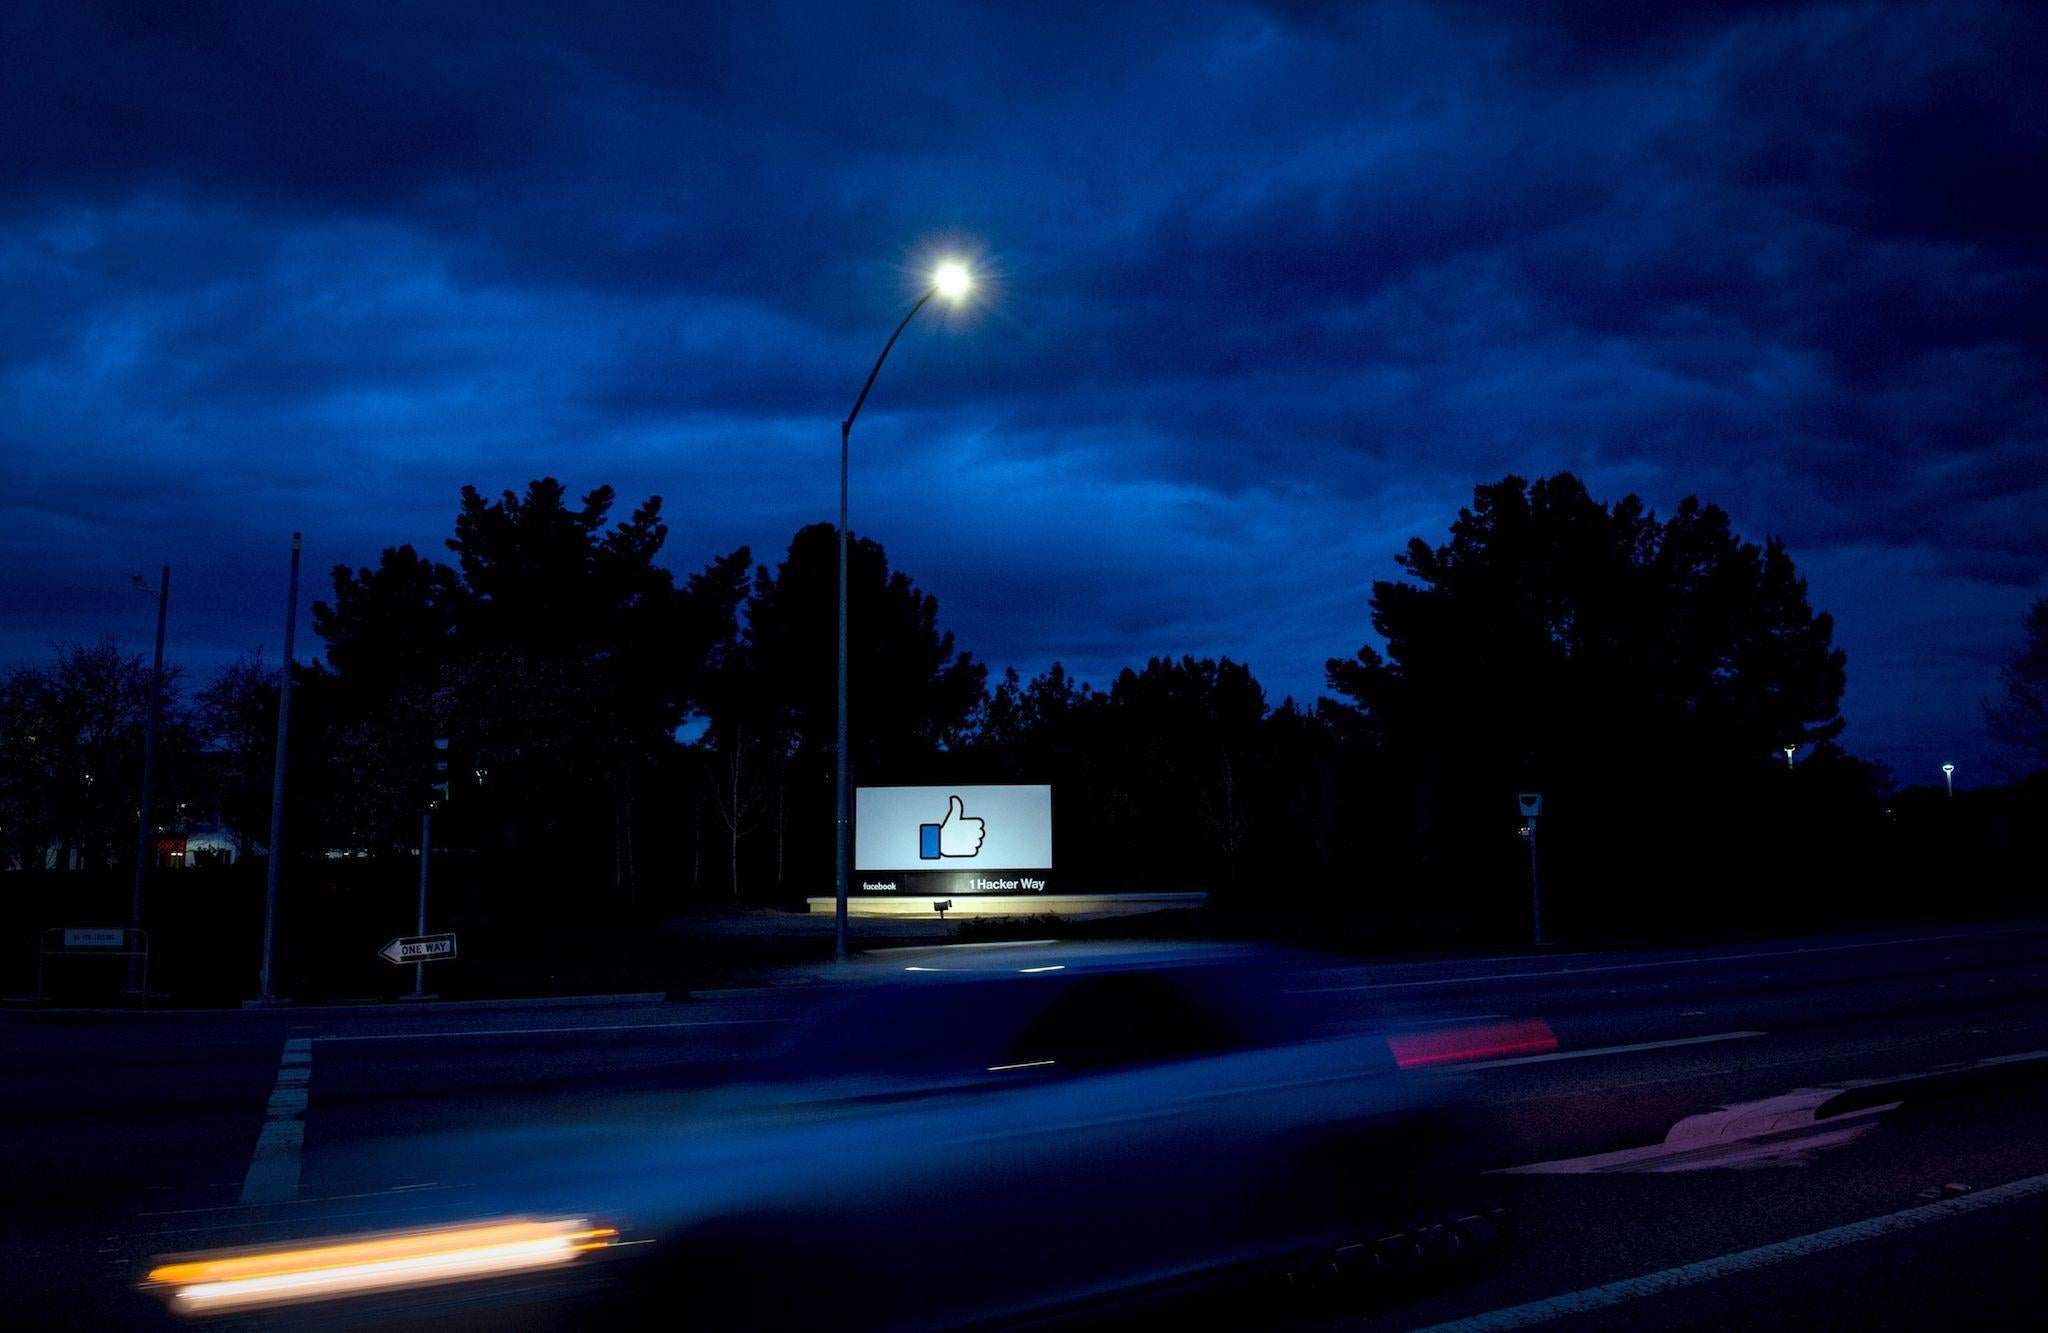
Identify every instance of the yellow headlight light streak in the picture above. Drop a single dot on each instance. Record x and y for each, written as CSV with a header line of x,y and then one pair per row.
x,y
384,1263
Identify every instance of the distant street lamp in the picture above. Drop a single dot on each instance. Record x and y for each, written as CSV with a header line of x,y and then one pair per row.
x,y
952,281
1788,755
1948,775
144,844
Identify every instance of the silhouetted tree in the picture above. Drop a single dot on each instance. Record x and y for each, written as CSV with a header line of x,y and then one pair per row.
x,y
1162,781
750,733
1189,734
1030,730
2018,718
71,753
236,715
772,701
1564,626
1305,780
558,657
912,692
391,641
1640,672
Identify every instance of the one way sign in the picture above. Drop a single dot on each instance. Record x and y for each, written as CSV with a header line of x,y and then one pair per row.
x,y
419,949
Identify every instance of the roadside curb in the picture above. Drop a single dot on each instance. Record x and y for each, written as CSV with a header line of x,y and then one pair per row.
x,y
365,1007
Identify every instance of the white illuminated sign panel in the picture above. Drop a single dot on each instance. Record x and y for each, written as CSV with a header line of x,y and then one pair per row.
x,y
964,831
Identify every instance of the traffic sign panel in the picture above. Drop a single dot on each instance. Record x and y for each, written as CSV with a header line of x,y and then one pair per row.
x,y
419,949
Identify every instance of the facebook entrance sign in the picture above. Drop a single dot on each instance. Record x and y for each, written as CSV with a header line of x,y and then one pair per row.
x,y
946,840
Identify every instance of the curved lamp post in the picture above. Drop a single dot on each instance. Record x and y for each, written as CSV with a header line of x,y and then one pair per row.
x,y
950,280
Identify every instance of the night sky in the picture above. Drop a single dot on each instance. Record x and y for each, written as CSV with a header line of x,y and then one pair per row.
x,y
1267,290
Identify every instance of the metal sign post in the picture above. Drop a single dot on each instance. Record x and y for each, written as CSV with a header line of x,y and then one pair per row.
x,y
1532,805
419,971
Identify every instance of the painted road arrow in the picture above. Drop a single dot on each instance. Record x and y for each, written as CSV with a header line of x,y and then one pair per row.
x,y
419,949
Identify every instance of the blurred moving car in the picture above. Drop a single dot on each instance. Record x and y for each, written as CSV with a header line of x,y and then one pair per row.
x,y
998,1135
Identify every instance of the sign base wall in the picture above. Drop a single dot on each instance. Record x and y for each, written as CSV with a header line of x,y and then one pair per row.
x,y
1009,904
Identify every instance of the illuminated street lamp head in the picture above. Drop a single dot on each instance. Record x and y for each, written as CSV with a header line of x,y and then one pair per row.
x,y
951,279
1948,770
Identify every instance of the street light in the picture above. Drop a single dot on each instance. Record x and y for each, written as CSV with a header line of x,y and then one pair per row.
x,y
1948,775
952,281
1788,754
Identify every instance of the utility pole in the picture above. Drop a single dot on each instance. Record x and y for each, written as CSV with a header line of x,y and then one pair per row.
x,y
143,848
274,871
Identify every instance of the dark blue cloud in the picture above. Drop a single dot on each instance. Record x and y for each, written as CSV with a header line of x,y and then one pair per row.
x,y
1270,287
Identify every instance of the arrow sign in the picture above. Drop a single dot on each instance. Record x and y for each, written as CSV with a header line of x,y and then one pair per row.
x,y
419,949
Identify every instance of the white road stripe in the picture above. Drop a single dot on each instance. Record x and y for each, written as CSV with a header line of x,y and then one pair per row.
x,y
1481,977
1743,1261
526,1032
274,1166
1600,1050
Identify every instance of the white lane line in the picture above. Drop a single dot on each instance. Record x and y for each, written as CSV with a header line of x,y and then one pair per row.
x,y
527,1032
274,1166
1600,1050
1742,1261
1482,977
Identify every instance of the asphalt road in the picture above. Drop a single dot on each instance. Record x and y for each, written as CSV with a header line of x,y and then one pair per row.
x,y
1918,1197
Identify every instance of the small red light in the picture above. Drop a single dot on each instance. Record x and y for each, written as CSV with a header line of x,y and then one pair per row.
x,y
1489,1041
